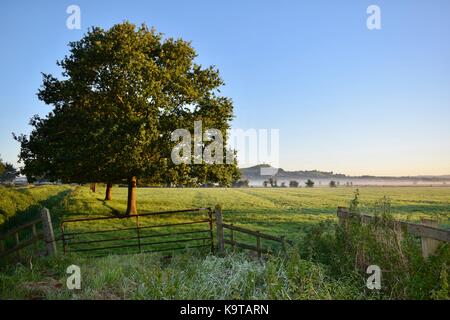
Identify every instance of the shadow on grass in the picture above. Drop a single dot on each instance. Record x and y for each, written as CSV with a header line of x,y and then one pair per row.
x,y
33,211
112,210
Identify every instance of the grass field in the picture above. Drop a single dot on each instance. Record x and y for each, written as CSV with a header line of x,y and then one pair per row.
x,y
282,211
196,274
278,210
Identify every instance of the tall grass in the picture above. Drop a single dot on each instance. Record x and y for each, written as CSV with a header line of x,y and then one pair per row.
x,y
353,246
190,275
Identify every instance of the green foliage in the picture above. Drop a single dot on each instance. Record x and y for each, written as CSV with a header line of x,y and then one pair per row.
x,y
123,92
443,292
333,184
354,204
7,172
350,248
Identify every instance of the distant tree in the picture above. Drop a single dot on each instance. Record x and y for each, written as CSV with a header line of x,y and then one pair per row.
x,y
9,173
309,183
122,94
209,185
272,182
265,183
2,167
241,184
333,184
293,184
283,184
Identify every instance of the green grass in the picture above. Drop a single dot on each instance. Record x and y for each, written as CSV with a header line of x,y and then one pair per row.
x,y
279,211
308,272
18,205
21,205
190,275
282,211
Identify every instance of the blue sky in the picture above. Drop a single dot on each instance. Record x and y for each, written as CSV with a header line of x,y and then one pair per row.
x,y
345,99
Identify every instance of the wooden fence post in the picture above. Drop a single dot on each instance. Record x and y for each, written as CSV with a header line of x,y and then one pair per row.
x,y
210,222
49,236
429,246
219,226
342,214
399,231
258,245
232,239
16,236
36,245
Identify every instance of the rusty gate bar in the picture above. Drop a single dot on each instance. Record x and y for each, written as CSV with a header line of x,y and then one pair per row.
x,y
144,244
140,214
133,228
142,237
177,248
63,238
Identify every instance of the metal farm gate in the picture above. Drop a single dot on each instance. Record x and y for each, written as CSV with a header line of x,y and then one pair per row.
x,y
139,233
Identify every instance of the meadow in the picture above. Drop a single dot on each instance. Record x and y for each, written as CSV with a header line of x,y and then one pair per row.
x,y
313,269
279,211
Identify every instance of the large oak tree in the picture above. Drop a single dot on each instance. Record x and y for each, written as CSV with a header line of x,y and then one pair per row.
x,y
121,94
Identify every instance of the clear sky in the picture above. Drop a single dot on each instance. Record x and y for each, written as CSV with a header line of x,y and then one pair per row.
x,y
345,98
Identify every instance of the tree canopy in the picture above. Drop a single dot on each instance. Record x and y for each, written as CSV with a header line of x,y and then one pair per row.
x,y
123,91
309,183
2,167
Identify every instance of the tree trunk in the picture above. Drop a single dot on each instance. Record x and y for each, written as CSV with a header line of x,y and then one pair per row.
x,y
131,205
93,187
108,196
